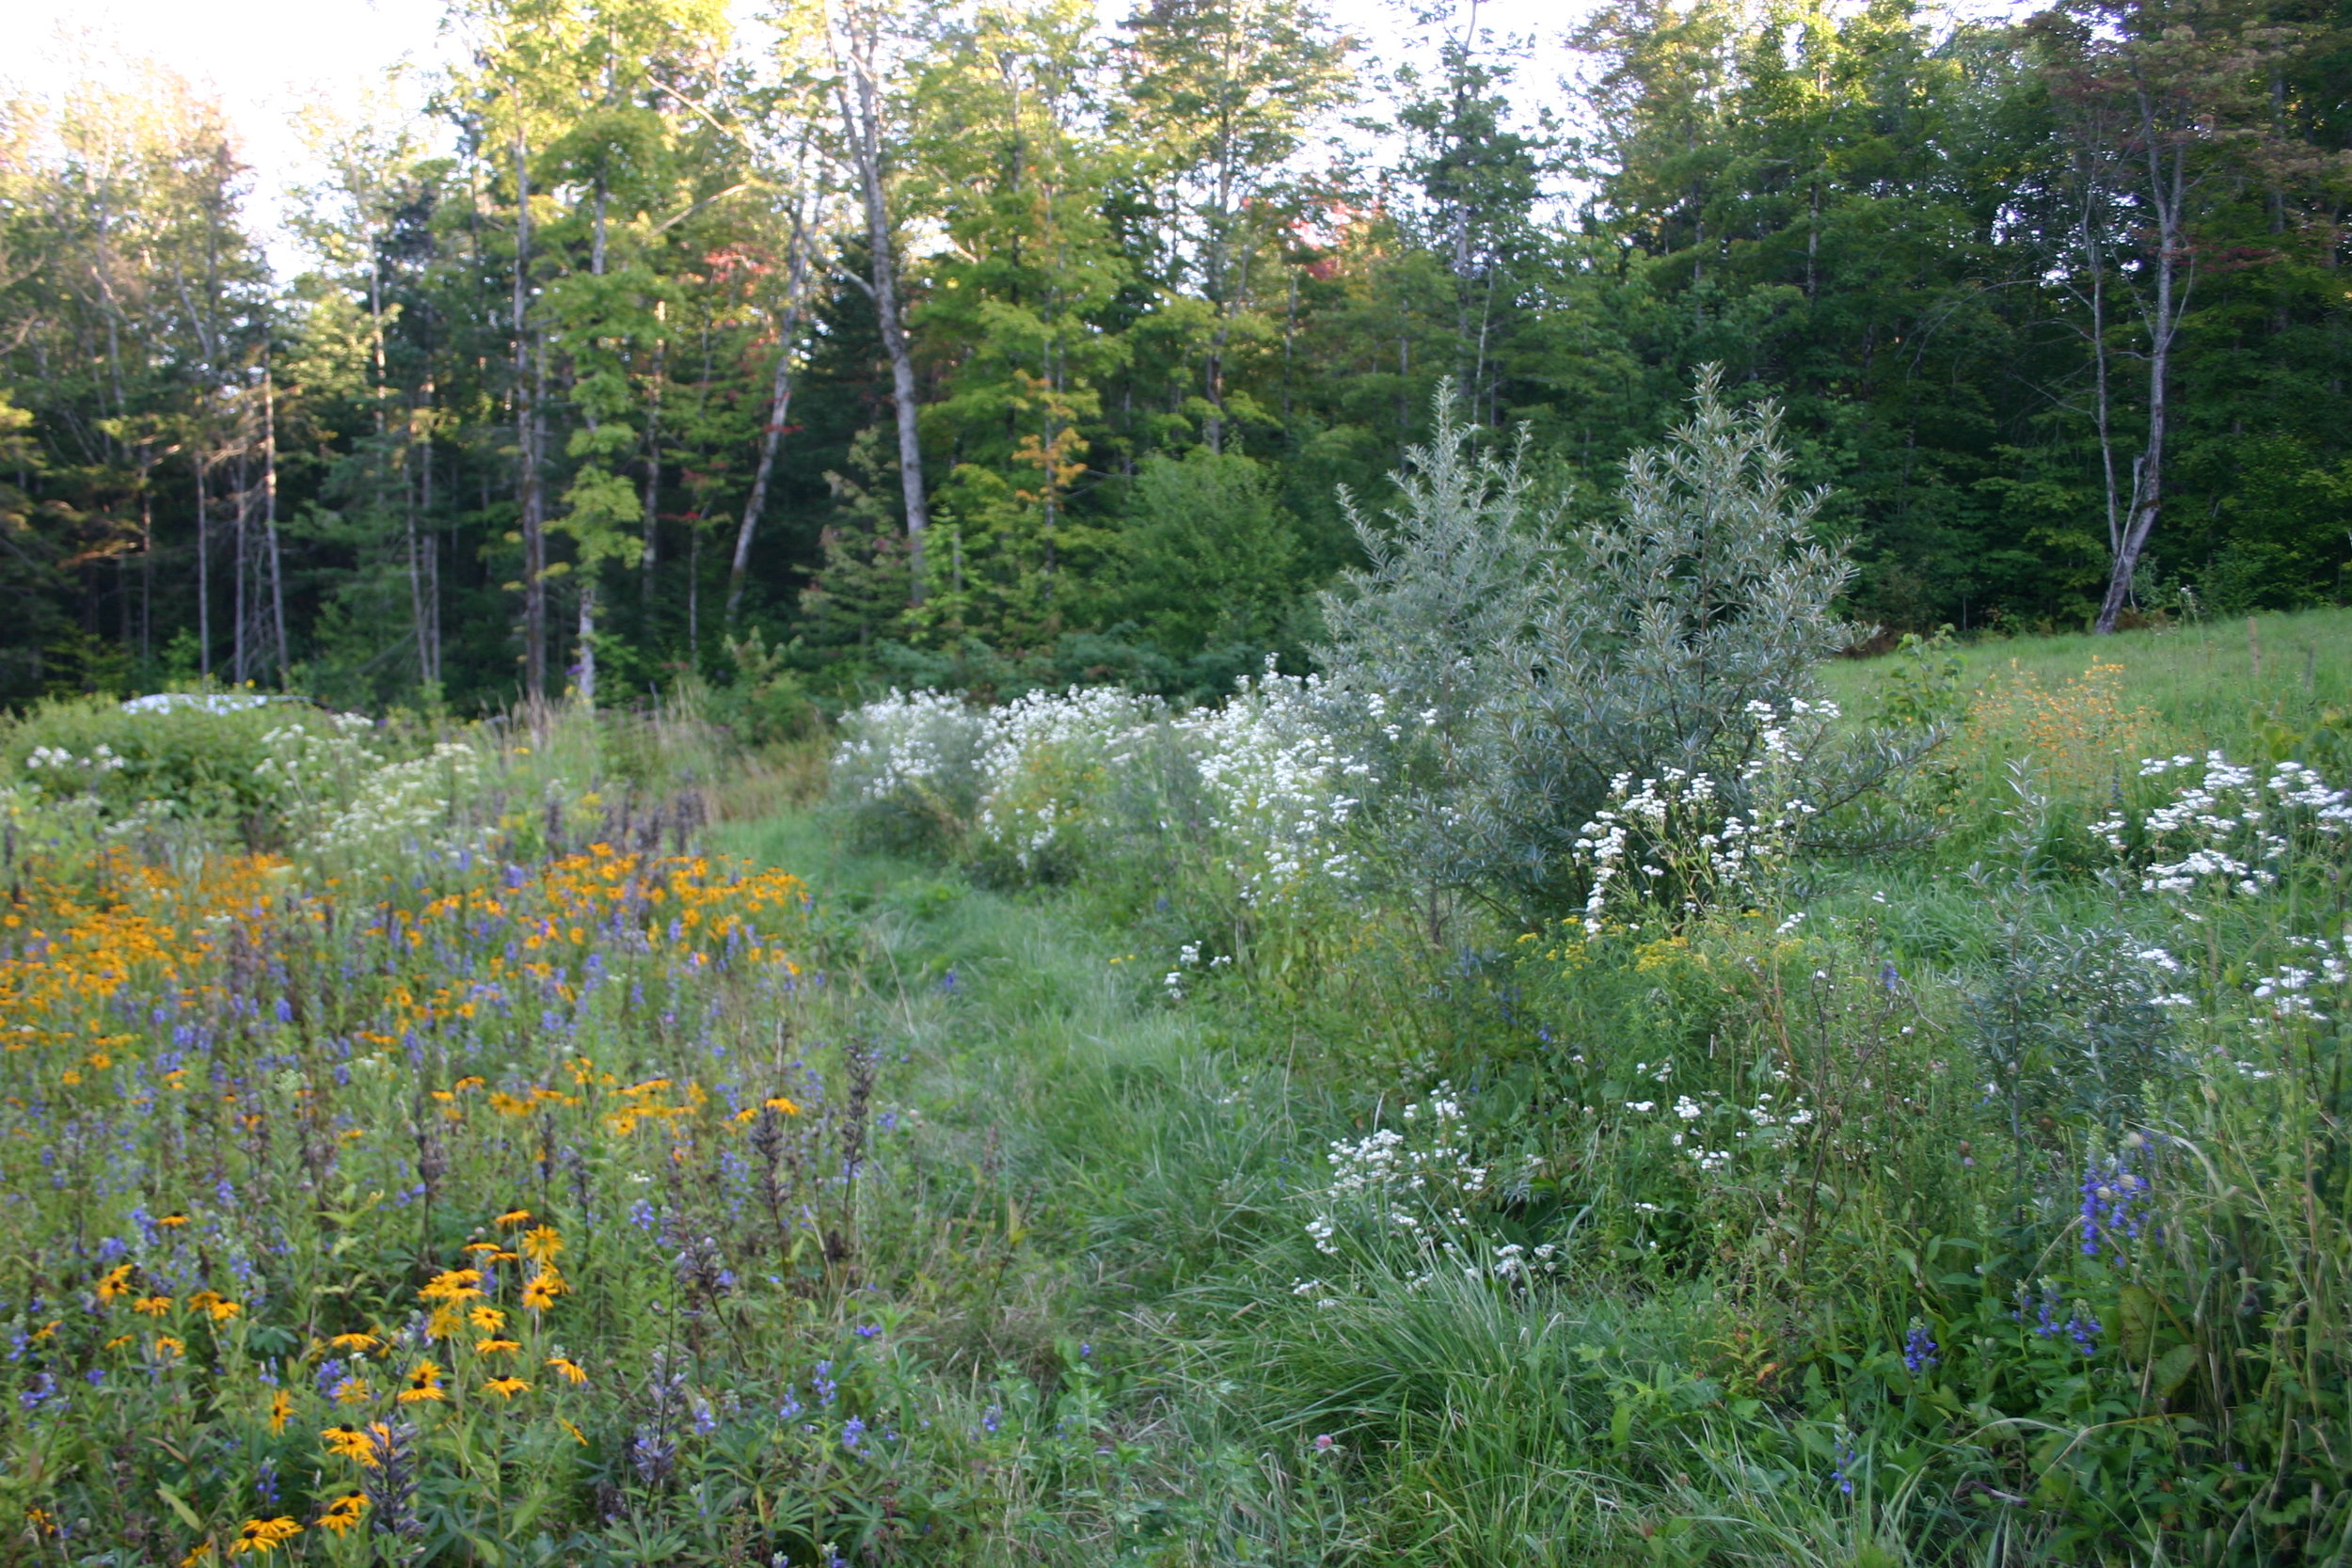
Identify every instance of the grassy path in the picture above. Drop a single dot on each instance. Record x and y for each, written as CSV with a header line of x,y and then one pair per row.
x,y
1074,1169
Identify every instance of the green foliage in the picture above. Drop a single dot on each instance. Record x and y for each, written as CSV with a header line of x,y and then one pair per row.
x,y
1207,557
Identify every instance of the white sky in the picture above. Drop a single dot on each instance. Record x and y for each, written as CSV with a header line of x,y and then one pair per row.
x,y
269,59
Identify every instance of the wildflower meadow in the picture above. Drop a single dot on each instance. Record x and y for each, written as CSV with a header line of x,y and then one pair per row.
x,y
1398,1113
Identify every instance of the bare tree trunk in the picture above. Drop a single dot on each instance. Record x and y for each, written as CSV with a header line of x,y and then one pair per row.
x,y
2168,192
650,553
203,571
237,669
529,371
779,409
269,519
861,117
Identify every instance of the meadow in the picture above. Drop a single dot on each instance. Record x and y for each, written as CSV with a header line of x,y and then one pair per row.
x,y
1057,1133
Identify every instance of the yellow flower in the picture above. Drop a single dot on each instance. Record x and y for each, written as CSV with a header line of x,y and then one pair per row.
x,y
343,1513
453,1286
781,1106
349,1443
154,1306
354,1341
172,1222
487,1319
488,1346
169,1346
513,1216
116,1283
196,1554
507,1388
263,1536
541,1244
280,1410
352,1390
578,1436
424,1382
543,1288
569,1366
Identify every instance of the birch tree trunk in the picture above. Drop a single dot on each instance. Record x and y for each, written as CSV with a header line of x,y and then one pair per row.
x,y
779,410
861,117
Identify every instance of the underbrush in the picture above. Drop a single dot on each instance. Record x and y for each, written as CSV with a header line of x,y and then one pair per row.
x,y
1886,1208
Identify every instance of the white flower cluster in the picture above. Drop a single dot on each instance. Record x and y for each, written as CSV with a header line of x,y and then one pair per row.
x,y
2229,830
1280,788
398,808
1045,756
1416,1181
59,760
1676,836
1036,775
908,740
1710,1118
2290,991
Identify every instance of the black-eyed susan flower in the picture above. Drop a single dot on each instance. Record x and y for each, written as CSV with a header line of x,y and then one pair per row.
x,y
115,1282
497,1347
424,1382
541,1243
540,1292
263,1536
578,1436
153,1307
361,1342
571,1370
280,1410
349,1443
507,1388
487,1319
452,1286
344,1513
513,1217
196,1554
172,1222
169,1347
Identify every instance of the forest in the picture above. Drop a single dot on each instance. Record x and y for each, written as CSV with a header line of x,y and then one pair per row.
x,y
986,345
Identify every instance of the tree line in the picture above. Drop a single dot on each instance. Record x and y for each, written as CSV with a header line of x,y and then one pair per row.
x,y
990,343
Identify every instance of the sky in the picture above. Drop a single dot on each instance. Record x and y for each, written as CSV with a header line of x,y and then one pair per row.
x,y
267,60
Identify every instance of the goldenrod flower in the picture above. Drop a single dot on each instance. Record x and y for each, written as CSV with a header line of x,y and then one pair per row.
x,y
343,1513
263,1536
